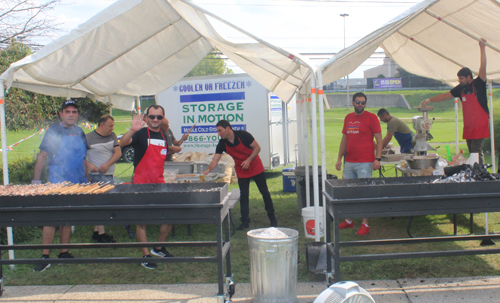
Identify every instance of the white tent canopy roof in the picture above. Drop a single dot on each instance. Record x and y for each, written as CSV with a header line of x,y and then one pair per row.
x,y
142,47
433,39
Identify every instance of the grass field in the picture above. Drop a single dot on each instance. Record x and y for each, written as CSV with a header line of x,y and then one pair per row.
x,y
288,216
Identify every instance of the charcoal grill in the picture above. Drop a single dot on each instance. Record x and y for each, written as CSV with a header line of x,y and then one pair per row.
x,y
411,196
181,203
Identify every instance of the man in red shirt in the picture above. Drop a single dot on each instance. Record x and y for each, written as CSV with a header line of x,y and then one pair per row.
x,y
357,149
472,93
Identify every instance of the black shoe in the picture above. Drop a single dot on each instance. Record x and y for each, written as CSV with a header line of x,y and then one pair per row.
x,y
272,219
65,255
161,253
42,267
149,265
243,226
104,238
95,236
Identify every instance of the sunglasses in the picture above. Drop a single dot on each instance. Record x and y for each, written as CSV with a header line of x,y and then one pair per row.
x,y
158,117
360,102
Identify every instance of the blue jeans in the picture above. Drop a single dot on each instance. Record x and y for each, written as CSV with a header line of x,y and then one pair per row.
x,y
94,178
354,170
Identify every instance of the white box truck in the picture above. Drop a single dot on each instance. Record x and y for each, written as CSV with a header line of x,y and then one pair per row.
x,y
242,101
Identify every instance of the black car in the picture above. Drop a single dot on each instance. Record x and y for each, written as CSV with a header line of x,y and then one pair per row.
x,y
127,152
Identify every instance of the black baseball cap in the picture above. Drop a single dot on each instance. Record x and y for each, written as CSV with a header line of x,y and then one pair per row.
x,y
69,103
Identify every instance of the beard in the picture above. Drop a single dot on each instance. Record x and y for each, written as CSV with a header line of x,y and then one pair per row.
x,y
359,111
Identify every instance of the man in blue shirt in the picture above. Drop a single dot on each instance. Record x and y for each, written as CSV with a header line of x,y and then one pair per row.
x,y
64,148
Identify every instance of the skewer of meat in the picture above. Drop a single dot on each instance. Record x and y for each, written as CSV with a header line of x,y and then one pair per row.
x,y
104,189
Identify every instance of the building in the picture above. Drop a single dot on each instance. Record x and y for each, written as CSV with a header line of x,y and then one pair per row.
x,y
388,69
354,83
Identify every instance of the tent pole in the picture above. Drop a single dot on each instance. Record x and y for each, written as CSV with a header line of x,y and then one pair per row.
x,y
306,149
111,107
456,126
5,161
314,143
492,129
298,114
322,138
492,140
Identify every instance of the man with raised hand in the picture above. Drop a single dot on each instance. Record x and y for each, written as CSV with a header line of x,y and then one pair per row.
x,y
151,148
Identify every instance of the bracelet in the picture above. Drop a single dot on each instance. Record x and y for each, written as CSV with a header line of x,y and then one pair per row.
x,y
378,159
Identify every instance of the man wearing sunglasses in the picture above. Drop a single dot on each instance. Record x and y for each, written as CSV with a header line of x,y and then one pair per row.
x,y
360,155
151,150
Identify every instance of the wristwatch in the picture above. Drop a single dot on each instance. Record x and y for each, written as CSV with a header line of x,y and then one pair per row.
x,y
378,159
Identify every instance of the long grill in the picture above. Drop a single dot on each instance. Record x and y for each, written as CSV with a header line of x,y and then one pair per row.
x,y
181,203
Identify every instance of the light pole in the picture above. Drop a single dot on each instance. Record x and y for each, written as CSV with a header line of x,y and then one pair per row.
x,y
347,81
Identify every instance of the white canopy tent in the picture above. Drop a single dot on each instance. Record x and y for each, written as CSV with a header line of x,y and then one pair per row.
x,y
142,47
434,39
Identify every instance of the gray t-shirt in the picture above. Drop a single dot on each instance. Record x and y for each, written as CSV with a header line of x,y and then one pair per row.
x,y
397,126
101,150
169,135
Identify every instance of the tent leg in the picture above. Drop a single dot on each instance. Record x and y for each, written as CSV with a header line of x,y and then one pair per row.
x,y
456,126
486,242
5,162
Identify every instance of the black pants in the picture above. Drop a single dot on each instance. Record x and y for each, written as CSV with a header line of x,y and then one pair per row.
x,y
260,181
476,146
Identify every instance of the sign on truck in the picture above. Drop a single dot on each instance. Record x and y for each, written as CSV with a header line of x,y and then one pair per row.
x,y
239,99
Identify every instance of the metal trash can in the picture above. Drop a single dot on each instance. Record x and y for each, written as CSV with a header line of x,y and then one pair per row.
x,y
273,264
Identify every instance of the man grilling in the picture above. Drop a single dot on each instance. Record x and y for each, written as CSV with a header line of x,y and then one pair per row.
x,y
64,147
472,93
151,151
244,149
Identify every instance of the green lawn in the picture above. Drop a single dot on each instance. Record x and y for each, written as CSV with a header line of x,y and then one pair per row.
x,y
288,216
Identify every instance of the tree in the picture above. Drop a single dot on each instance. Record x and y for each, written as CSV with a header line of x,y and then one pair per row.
x,y
212,64
380,76
24,20
15,51
28,110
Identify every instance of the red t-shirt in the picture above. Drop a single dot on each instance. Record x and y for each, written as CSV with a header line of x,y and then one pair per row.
x,y
360,131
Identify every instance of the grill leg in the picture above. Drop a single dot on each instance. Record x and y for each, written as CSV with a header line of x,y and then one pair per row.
x,y
455,224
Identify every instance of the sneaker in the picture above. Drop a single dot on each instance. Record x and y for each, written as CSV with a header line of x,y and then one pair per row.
x,y
363,230
149,265
95,236
65,255
345,224
104,238
161,253
42,267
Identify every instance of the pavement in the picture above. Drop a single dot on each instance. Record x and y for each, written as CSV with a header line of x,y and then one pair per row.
x,y
435,290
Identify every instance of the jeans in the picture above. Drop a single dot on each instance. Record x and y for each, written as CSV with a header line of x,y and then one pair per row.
x,y
94,178
244,184
354,170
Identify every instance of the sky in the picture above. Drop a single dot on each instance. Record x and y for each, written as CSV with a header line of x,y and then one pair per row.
x,y
310,27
